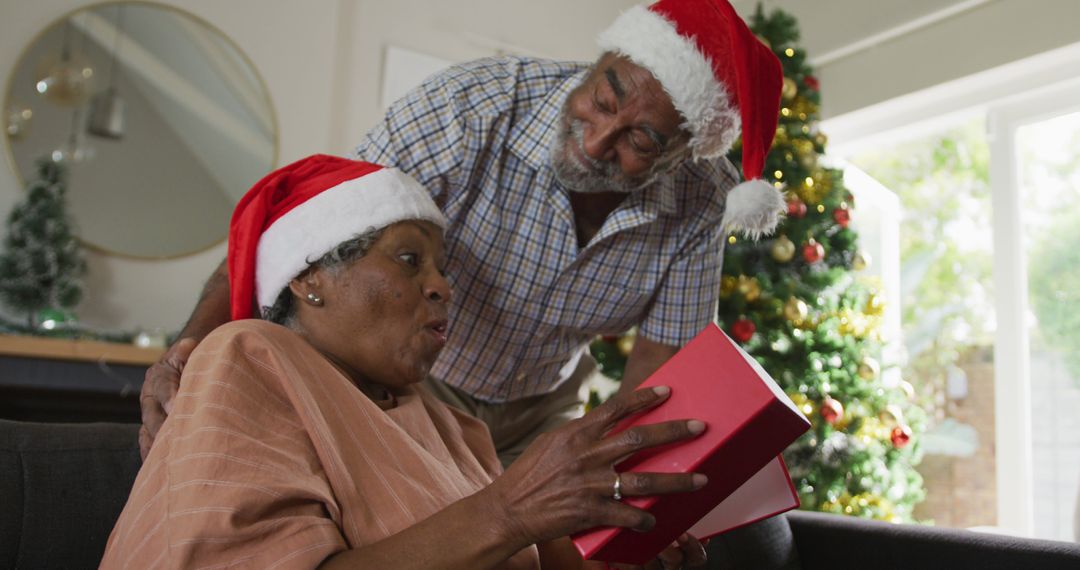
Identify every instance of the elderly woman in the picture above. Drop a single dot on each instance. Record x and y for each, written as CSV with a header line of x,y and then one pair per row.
x,y
305,441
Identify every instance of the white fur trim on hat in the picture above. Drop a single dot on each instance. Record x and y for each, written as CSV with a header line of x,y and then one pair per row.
x,y
753,208
652,42
310,230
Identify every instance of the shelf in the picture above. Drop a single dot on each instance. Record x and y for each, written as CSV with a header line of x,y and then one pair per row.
x,y
78,350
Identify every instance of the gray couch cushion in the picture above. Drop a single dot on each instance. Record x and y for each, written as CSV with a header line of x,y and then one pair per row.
x,y
764,545
837,543
62,487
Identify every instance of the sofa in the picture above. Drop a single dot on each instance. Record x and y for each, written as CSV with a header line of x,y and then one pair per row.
x,y
62,487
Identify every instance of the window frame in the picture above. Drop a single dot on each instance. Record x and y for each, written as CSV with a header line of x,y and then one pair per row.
x,y
1009,97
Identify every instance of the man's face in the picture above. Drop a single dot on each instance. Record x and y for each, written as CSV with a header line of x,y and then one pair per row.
x,y
618,130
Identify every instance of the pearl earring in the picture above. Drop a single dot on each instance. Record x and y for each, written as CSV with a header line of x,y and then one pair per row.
x,y
314,299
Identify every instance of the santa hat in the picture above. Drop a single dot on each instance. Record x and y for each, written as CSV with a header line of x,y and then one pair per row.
x,y
298,213
719,76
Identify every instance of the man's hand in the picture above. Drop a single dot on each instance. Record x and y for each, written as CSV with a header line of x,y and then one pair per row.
x,y
158,390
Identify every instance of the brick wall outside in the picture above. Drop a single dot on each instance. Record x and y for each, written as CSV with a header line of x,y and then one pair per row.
x,y
961,491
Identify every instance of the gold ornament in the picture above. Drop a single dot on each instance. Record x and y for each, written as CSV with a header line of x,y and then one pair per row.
x,y
795,310
907,389
727,285
804,149
791,89
781,138
815,187
749,288
847,323
869,368
803,107
821,140
783,249
803,403
873,429
860,261
625,344
892,416
875,305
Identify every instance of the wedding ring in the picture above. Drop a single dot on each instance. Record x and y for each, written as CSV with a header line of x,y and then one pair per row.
x,y
617,495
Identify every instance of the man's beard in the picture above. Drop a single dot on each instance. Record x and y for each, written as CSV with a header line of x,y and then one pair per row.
x,y
588,175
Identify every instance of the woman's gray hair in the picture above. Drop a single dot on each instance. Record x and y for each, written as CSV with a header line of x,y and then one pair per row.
x,y
283,312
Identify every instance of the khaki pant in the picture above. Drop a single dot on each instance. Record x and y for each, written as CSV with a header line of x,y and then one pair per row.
x,y
514,425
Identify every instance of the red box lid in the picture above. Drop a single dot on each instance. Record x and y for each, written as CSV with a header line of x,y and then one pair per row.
x,y
749,421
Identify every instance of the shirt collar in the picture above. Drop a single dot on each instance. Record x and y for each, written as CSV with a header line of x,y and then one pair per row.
x,y
531,139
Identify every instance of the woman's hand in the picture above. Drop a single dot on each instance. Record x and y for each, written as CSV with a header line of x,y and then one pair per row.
x,y
565,481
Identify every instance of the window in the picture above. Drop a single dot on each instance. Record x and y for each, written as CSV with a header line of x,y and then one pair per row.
x,y
987,172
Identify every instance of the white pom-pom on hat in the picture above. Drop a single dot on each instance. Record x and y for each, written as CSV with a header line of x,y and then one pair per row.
x,y
753,208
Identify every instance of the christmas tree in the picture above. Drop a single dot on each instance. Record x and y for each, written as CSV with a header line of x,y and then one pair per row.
x,y
42,265
796,304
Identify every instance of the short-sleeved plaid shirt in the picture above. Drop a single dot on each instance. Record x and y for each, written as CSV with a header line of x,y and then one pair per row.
x,y
527,299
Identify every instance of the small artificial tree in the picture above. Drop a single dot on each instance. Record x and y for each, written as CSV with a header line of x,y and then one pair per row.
x,y
42,265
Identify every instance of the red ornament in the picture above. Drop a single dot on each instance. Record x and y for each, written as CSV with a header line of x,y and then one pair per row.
x,y
832,410
812,251
900,436
796,208
842,216
743,329
812,82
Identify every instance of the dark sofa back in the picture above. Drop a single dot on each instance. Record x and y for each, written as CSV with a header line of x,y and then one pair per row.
x,y
62,487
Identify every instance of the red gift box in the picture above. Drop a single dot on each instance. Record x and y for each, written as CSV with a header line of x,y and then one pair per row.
x,y
749,421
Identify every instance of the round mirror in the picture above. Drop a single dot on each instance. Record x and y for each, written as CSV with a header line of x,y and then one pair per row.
x,y
161,121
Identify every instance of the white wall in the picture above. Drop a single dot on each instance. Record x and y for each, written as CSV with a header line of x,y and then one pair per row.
x,y
283,42
871,51
322,62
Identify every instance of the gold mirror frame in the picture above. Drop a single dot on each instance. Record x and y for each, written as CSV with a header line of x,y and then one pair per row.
x,y
275,135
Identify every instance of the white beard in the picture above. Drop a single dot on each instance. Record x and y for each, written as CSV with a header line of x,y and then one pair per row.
x,y
590,176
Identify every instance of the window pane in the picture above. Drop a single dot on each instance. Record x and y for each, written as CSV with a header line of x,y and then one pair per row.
x,y
1049,153
946,256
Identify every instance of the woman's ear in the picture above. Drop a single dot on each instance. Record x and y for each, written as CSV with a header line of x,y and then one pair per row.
x,y
306,286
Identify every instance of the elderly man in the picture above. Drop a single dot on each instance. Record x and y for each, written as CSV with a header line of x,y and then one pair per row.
x,y
581,200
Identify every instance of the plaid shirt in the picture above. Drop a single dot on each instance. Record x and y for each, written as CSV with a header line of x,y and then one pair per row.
x,y
527,299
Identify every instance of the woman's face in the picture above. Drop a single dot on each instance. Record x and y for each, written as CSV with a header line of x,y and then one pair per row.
x,y
383,317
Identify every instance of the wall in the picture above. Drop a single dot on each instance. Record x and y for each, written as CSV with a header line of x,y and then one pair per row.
x,y
322,62
869,52
282,43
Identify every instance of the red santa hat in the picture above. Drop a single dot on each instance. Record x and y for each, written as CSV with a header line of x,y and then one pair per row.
x,y
298,213
720,78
